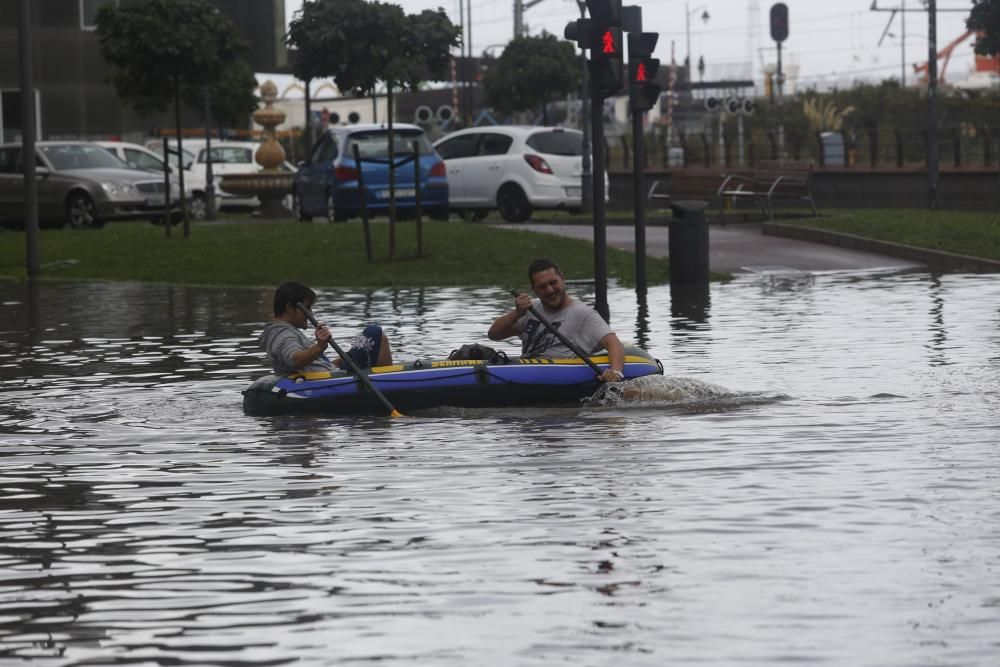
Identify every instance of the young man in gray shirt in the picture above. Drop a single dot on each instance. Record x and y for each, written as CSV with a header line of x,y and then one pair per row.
x,y
290,351
579,323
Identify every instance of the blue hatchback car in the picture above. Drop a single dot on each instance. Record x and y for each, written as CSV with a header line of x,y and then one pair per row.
x,y
327,186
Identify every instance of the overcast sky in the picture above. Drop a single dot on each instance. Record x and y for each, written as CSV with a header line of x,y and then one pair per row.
x,y
829,42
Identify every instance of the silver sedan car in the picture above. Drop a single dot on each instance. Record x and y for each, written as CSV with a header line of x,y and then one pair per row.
x,y
81,184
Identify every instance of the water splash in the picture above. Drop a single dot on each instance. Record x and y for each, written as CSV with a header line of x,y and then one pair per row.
x,y
682,392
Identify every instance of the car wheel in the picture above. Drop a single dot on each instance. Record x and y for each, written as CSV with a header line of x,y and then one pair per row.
x,y
197,206
513,204
81,212
300,211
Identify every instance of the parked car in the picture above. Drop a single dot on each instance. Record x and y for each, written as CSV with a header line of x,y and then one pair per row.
x,y
514,169
79,183
328,184
228,157
140,157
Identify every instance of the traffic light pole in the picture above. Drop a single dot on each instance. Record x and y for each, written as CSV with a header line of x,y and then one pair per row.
x,y
600,232
587,175
781,120
639,197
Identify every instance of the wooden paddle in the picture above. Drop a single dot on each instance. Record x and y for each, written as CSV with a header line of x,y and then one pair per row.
x,y
361,375
565,341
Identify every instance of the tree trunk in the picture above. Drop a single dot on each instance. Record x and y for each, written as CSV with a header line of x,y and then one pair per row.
x,y
392,176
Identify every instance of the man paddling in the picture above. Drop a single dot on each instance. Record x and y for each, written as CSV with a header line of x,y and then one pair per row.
x,y
289,350
576,321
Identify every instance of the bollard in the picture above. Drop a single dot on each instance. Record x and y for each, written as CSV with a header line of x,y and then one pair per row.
x,y
688,243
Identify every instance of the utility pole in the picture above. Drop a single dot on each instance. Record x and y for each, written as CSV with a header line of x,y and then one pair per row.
x,y
28,138
933,156
932,129
519,7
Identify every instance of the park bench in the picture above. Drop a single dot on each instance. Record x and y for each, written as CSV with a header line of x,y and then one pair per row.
x,y
687,184
770,180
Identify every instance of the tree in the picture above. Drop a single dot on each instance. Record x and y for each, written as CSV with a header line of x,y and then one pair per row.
x,y
320,34
163,50
371,42
530,72
985,20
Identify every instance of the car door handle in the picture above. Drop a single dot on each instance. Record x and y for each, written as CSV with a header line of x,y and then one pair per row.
x,y
494,167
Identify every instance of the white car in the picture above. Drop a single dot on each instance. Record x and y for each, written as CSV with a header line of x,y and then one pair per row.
x,y
140,157
228,157
514,169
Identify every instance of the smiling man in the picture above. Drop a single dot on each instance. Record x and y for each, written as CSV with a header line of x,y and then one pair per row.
x,y
581,324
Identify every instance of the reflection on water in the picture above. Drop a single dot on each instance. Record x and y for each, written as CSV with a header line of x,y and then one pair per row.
x,y
813,479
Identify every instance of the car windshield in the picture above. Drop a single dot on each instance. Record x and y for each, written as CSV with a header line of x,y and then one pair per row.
x,y
81,156
227,155
374,145
557,142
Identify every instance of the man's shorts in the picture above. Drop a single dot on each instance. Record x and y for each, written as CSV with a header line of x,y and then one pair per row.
x,y
366,347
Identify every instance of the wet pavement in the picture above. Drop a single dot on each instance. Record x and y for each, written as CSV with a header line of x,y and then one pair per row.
x,y
738,248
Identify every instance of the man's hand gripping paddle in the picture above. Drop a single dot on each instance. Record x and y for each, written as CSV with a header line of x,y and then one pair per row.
x,y
361,375
565,341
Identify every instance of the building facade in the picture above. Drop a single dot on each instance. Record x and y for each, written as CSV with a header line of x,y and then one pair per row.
x,y
73,98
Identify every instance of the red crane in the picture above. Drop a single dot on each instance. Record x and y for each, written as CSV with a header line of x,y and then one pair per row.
x,y
983,63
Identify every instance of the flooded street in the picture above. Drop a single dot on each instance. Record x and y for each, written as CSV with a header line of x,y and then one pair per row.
x,y
815,479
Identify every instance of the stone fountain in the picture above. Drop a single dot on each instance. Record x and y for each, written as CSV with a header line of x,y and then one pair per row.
x,y
271,185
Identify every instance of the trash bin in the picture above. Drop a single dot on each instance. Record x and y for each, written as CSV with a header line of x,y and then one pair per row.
x,y
687,242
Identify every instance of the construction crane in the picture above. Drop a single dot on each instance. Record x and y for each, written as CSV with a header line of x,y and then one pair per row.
x,y
983,63
944,55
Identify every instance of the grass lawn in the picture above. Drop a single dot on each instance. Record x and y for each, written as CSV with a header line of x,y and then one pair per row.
x,y
970,233
250,252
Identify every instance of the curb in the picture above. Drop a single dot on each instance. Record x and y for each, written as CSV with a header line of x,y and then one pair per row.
x,y
948,261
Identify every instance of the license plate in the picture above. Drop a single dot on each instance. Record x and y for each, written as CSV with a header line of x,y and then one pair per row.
x,y
573,192
154,201
400,192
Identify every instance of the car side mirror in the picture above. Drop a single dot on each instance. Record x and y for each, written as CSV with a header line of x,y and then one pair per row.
x,y
43,171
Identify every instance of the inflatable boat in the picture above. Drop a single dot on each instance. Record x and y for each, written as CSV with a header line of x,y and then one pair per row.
x,y
429,384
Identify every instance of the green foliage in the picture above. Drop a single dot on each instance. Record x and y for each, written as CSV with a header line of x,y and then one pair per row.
x,y
320,33
359,44
157,46
985,19
530,72
823,114
454,254
962,232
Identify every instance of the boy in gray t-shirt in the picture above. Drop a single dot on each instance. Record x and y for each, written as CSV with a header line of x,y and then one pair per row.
x,y
290,351
579,323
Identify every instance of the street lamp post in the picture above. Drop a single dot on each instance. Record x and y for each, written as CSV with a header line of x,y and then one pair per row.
x,y
587,177
687,29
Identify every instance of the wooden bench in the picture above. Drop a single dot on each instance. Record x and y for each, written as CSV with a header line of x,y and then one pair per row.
x,y
687,184
770,180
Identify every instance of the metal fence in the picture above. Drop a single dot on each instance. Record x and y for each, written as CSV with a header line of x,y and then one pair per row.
x,y
958,147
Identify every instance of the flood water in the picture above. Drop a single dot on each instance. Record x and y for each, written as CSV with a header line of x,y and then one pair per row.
x,y
815,480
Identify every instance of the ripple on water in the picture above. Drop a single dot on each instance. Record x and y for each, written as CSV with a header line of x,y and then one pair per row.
x,y
813,480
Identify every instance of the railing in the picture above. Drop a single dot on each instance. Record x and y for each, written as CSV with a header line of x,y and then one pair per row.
x,y
958,147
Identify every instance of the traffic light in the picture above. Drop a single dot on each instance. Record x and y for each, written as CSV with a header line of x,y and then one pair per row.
x,y
607,57
779,22
643,92
578,31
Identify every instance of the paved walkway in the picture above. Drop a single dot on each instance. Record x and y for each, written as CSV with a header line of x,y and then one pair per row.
x,y
739,247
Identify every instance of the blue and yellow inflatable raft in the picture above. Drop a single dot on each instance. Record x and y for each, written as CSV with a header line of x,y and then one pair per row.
x,y
429,384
